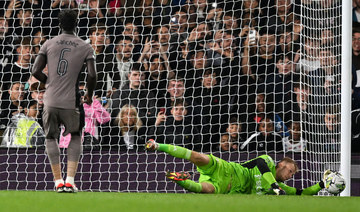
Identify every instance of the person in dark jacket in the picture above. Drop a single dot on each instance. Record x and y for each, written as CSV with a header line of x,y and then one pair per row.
x,y
134,93
265,140
105,60
176,128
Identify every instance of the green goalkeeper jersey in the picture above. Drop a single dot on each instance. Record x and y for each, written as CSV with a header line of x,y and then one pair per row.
x,y
256,177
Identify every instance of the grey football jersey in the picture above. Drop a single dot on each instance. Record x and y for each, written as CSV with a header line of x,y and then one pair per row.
x,y
65,55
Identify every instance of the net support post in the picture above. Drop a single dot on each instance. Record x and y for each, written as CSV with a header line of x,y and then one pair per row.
x,y
346,67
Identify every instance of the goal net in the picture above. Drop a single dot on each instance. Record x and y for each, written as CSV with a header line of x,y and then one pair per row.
x,y
237,79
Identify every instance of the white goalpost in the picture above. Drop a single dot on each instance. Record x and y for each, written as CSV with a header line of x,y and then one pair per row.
x,y
345,166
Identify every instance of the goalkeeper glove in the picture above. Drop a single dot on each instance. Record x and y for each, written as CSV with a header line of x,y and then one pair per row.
x,y
278,191
325,178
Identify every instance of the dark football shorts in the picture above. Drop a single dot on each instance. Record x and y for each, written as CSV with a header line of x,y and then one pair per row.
x,y
72,119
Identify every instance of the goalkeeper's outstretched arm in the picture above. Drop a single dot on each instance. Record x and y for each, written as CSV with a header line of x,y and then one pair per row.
x,y
312,190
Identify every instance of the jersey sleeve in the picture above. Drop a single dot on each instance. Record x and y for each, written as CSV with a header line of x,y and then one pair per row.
x,y
268,160
265,165
90,53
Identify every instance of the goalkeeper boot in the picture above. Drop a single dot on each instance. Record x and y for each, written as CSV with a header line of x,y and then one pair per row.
x,y
60,188
151,145
177,176
69,188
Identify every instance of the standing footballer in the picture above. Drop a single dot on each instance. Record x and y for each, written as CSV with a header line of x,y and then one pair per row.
x,y
257,176
65,55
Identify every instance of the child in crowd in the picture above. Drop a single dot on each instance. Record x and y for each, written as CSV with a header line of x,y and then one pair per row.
x,y
226,143
265,140
295,141
234,130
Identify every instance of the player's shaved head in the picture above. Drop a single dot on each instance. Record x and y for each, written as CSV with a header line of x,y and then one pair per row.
x,y
68,20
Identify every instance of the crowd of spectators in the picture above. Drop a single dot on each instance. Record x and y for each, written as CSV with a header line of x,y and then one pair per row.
x,y
210,75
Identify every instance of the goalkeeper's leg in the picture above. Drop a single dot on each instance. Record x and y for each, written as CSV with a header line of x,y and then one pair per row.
x,y
196,158
182,179
193,186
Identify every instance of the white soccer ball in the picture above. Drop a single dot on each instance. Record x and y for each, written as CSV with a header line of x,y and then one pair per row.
x,y
335,183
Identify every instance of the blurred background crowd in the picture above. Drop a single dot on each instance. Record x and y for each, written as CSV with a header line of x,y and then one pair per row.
x,y
210,75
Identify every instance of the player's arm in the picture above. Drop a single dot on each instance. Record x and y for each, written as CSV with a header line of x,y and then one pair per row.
x,y
38,67
91,81
312,190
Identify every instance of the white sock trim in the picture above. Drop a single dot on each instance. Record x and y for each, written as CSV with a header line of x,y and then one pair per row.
x,y
57,182
70,180
188,154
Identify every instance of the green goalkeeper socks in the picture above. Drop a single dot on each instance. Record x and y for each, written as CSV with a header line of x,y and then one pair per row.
x,y
181,152
190,185
175,151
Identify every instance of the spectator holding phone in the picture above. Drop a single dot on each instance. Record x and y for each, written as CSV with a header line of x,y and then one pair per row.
x,y
214,15
90,13
258,60
179,26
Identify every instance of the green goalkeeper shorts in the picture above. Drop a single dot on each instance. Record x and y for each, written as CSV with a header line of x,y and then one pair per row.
x,y
219,174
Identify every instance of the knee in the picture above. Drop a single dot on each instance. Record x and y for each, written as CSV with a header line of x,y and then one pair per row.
x,y
75,139
53,151
199,159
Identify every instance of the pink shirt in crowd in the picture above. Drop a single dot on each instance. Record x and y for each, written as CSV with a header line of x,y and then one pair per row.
x,y
94,114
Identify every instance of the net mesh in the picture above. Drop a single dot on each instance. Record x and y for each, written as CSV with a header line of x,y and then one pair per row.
x,y
233,78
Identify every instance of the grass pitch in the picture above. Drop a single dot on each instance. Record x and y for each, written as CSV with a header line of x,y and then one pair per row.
x,y
144,202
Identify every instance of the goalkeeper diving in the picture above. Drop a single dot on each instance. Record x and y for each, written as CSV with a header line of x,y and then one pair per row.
x,y
257,176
